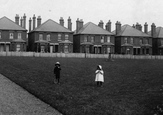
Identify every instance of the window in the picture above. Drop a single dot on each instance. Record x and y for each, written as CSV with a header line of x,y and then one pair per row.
x,y
147,41
141,41
66,48
11,36
125,40
108,39
85,39
18,47
48,37
40,37
59,37
102,39
92,39
19,36
0,35
132,40
66,37
162,42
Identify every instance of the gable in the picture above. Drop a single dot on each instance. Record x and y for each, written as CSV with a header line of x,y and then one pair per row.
x,y
91,28
7,24
51,26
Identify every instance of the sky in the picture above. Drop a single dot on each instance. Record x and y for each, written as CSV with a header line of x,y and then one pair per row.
x,y
126,11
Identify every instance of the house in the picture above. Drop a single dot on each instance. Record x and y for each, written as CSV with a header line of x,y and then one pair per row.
x,y
90,38
50,36
157,36
131,40
12,35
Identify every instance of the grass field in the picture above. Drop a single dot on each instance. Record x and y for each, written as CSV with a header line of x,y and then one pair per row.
x,y
131,87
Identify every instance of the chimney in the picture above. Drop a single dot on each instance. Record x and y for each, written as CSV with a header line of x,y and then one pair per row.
x,y
77,25
69,24
61,21
153,30
80,24
133,26
137,25
17,19
34,21
109,26
140,27
101,24
146,28
24,21
38,21
21,22
118,27
30,22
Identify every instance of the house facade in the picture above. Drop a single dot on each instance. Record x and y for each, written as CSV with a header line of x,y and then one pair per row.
x,y
13,37
131,40
50,36
90,38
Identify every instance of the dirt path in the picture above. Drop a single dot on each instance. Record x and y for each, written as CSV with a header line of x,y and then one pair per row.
x,y
14,100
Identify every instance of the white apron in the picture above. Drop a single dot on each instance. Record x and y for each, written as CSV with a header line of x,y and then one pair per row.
x,y
99,75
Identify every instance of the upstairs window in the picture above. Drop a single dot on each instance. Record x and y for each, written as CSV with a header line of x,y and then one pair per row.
x,y
108,39
125,40
48,37
66,37
102,39
85,39
59,37
19,36
92,39
162,42
11,36
132,41
147,41
141,41
40,37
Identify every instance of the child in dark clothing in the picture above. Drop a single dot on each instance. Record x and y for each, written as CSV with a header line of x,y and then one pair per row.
x,y
57,70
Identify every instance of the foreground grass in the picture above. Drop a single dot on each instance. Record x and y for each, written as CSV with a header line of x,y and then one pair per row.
x,y
132,87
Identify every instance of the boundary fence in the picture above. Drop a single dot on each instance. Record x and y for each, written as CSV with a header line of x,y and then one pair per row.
x,y
80,55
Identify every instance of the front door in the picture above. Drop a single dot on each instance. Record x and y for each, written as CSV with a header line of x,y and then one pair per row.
x,y
51,49
43,49
8,46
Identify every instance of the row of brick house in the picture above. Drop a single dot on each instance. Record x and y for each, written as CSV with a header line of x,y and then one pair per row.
x,y
53,37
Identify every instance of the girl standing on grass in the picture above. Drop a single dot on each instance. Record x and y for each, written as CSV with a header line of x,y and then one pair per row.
x,y
57,70
99,75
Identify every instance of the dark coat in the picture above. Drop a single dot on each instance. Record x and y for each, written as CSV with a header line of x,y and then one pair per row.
x,y
57,70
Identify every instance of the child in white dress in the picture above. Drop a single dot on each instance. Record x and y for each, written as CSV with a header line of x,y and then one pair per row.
x,y
99,76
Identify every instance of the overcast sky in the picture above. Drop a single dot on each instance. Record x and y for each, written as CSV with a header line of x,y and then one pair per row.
x,y
125,11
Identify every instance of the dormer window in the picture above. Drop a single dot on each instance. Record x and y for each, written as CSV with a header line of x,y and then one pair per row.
x,y
19,36
11,36
40,37
102,39
59,37
48,37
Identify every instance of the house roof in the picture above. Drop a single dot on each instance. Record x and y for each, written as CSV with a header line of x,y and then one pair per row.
x,y
159,32
91,28
128,30
7,24
51,26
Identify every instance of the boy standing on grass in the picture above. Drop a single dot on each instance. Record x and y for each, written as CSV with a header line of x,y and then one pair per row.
x,y
99,76
57,70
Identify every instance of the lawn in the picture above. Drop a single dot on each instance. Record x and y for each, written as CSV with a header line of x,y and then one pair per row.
x,y
131,87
